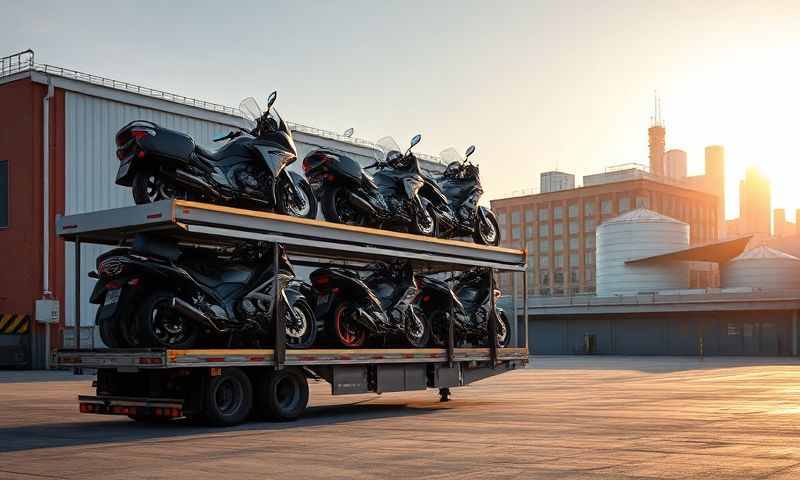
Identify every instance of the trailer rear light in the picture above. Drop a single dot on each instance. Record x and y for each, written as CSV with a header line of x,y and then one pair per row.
x,y
153,216
149,361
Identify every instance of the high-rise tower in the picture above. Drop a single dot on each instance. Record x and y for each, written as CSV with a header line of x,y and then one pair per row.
x,y
656,136
715,181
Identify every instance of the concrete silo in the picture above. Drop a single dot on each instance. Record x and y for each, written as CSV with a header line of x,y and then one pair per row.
x,y
638,234
762,268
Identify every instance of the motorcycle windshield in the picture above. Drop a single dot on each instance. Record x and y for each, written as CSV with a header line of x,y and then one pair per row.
x,y
251,110
450,155
386,147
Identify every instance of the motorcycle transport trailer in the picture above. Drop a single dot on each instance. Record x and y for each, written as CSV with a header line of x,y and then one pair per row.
x,y
224,386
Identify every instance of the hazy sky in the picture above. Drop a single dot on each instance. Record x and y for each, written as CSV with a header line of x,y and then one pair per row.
x,y
534,85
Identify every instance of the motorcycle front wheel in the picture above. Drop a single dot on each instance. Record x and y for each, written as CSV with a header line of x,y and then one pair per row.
x,y
304,206
486,230
425,221
301,331
336,207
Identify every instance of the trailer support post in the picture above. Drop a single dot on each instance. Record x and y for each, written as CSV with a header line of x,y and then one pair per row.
x,y
278,318
525,309
451,343
77,299
492,319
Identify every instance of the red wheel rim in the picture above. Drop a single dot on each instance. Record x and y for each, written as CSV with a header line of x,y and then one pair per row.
x,y
350,333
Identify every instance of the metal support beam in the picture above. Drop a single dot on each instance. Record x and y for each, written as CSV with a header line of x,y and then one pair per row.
x,y
278,318
525,309
451,342
492,319
77,293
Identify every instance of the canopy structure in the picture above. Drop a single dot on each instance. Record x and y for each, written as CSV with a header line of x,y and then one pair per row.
x,y
718,252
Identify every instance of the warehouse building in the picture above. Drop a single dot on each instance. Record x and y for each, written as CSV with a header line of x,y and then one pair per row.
x,y
57,156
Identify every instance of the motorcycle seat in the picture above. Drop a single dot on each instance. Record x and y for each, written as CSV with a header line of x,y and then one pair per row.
x,y
213,155
211,277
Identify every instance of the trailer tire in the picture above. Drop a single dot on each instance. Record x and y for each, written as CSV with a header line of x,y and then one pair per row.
x,y
282,394
228,398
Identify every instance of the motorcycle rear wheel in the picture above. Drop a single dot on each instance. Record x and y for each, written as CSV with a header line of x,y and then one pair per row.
x,y
161,327
336,207
147,187
348,332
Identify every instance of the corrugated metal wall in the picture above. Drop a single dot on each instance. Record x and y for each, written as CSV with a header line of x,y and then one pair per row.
x,y
91,168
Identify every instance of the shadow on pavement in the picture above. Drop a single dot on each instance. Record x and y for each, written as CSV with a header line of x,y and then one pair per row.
x,y
653,364
28,437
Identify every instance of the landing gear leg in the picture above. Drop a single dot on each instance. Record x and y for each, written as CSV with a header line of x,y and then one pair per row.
x,y
444,394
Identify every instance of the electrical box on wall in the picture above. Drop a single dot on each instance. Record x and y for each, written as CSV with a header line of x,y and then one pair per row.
x,y
47,311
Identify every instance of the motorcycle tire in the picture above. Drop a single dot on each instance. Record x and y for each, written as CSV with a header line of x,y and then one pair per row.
x,y
503,330
347,332
287,207
335,210
110,333
147,188
439,328
117,331
486,234
428,230
418,340
158,326
307,338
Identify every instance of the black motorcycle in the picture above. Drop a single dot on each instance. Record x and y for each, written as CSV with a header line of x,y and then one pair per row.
x,y
455,197
155,294
381,305
390,199
469,305
249,171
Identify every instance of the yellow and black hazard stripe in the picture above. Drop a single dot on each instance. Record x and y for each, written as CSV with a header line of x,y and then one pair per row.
x,y
14,323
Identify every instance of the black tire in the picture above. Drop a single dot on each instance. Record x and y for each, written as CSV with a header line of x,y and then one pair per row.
x,y
110,332
345,331
486,233
119,331
337,209
147,187
426,225
503,330
306,338
439,327
282,395
228,398
417,334
287,206
159,326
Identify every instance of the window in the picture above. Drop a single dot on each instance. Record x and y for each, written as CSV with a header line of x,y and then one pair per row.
x,y
573,228
642,202
588,225
558,213
529,231
544,277
624,204
573,261
502,218
588,275
544,261
544,246
529,217
544,230
515,233
558,277
574,275
589,242
559,262
588,258
558,245
544,214
531,246
558,229
588,208
605,207
573,243
4,194
515,217
573,210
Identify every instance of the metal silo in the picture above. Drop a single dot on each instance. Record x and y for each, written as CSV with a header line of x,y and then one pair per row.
x,y
763,268
637,234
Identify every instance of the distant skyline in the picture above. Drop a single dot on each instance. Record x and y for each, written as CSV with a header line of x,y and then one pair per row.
x,y
535,85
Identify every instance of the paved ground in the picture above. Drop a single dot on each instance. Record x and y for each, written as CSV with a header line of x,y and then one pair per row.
x,y
567,417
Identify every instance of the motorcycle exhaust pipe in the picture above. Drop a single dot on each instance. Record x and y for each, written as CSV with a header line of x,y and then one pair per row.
x,y
196,182
361,204
187,310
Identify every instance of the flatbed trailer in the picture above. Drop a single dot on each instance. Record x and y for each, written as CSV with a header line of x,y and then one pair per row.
x,y
226,386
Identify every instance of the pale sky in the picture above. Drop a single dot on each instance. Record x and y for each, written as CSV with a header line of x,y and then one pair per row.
x,y
534,85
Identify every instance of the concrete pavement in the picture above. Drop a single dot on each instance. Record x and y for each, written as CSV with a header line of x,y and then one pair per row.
x,y
566,417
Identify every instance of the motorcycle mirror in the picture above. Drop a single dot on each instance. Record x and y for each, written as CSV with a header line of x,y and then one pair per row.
x,y
470,151
272,97
415,140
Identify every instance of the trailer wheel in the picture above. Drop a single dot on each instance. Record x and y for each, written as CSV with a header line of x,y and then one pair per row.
x,y
283,394
228,398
